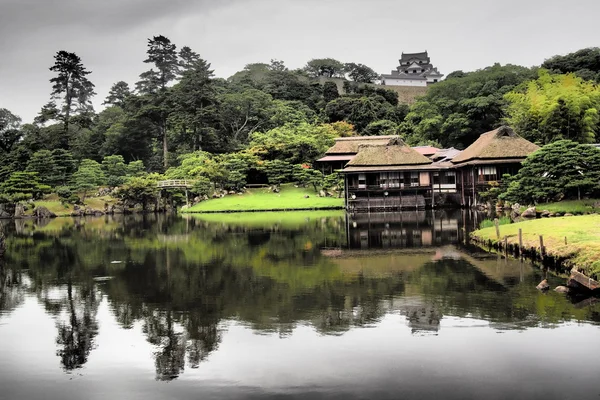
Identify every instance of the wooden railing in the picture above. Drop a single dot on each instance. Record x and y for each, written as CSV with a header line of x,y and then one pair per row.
x,y
388,187
176,183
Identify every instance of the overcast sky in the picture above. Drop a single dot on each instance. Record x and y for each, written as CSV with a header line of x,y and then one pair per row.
x,y
110,36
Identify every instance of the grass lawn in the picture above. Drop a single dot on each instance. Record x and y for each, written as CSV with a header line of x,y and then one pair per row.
x,y
286,219
570,206
582,233
290,198
53,204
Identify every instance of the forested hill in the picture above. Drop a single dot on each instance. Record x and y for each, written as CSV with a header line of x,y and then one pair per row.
x,y
179,120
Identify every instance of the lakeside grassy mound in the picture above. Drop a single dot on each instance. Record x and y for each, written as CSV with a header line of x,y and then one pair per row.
x,y
582,233
576,207
53,204
289,198
285,219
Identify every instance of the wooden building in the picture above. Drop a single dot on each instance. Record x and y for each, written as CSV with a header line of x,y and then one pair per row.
x,y
390,176
386,174
345,149
492,155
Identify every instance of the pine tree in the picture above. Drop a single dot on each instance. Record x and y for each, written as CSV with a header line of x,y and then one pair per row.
x,y
71,87
162,53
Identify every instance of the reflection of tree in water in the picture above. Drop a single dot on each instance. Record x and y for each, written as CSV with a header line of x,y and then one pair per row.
x,y
76,334
181,279
11,294
162,332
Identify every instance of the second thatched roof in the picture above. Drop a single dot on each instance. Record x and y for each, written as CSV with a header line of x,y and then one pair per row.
x,y
394,153
499,144
350,145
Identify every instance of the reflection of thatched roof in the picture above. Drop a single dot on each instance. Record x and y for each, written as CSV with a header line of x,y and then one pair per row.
x,y
350,145
502,143
396,152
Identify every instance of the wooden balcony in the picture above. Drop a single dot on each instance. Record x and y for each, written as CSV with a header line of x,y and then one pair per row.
x,y
382,187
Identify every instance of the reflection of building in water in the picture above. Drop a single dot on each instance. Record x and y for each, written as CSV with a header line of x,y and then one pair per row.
x,y
423,318
405,229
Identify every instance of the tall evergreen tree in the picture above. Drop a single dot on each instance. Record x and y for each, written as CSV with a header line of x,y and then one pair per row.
x,y
117,94
70,87
163,54
195,99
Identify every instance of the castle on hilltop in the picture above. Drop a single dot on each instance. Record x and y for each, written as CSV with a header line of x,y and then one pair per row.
x,y
415,69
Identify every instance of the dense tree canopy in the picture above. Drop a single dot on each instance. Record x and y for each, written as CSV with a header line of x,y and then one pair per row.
x,y
584,63
563,169
456,111
179,121
555,107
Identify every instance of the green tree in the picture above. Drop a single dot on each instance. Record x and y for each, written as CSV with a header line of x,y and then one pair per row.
x,y
305,175
22,186
361,73
555,107
140,190
70,86
584,63
330,92
278,171
296,143
194,100
43,164
117,94
381,127
136,168
115,170
244,112
64,165
327,67
563,169
202,186
455,112
360,111
163,55
10,130
88,176
334,181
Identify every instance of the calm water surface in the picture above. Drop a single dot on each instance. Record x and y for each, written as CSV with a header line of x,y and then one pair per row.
x,y
264,306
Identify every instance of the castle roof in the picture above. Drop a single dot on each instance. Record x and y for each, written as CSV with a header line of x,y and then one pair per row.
x,y
409,56
500,144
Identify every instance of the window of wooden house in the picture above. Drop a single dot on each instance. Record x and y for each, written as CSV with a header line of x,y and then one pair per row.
x,y
414,178
450,178
487,174
393,179
362,181
444,178
383,179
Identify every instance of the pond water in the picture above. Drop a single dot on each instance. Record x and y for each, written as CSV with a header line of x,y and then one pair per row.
x,y
296,305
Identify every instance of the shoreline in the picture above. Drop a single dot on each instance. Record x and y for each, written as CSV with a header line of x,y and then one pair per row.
x,y
265,210
569,245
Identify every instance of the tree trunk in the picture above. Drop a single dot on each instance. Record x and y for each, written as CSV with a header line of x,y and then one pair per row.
x,y
165,144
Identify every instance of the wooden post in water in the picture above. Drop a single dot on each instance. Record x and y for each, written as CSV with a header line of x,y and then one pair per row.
x,y
497,225
520,243
506,246
542,250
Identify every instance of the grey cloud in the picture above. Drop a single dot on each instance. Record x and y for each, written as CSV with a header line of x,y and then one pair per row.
x,y
23,15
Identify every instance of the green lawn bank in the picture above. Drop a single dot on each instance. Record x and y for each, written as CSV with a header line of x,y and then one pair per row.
x,y
581,248
263,199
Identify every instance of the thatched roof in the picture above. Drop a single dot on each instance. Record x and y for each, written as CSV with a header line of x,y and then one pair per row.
x,y
349,145
394,153
499,144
